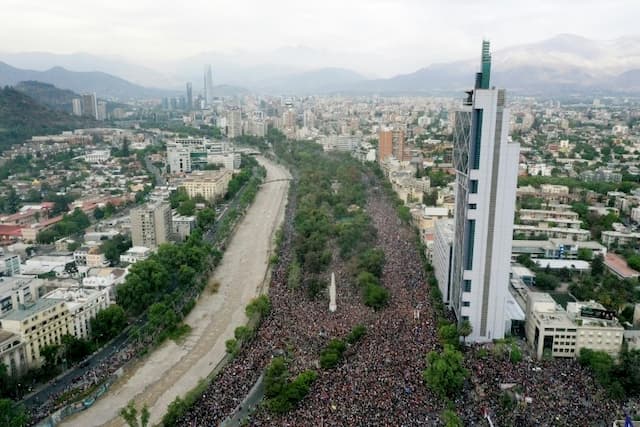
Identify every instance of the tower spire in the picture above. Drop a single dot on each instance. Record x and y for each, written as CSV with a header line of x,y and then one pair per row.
x,y
485,66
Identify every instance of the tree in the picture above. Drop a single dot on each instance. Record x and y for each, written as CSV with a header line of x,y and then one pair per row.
x,y
448,334
585,254
634,262
113,248
294,276
11,202
451,419
6,386
547,281
98,213
375,296
259,306
372,261
275,378
75,349
445,374
130,415
178,196
206,218
187,207
12,415
51,355
430,198
597,265
465,329
108,323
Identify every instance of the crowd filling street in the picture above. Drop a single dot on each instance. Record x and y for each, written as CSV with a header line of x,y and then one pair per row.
x,y
379,382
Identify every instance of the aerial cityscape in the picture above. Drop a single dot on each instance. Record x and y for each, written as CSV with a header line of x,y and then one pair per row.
x,y
285,214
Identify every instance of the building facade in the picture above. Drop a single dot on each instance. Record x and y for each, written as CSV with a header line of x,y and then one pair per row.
x,y
83,304
182,226
12,353
9,265
38,324
553,331
442,256
151,224
486,164
211,185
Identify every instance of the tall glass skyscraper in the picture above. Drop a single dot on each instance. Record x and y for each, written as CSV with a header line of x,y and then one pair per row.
x,y
208,85
486,164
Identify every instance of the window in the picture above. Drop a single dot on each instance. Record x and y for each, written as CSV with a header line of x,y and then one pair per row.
x,y
471,234
466,285
473,186
465,318
466,304
473,206
477,139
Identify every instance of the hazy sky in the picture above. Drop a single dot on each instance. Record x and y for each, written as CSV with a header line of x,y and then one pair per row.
x,y
390,35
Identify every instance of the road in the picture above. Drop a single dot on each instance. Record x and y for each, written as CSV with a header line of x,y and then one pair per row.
x,y
173,369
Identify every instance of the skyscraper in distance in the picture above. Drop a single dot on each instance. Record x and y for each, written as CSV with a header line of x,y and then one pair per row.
x,y
189,96
208,85
486,164
90,105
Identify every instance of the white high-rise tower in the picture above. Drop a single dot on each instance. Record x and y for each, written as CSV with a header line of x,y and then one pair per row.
x,y
486,165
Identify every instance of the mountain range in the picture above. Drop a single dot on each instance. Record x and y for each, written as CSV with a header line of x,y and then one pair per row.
x,y
559,65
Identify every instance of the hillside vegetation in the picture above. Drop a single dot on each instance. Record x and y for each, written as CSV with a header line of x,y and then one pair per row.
x,y
21,118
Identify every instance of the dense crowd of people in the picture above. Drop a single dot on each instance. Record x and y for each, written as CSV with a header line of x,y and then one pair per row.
x,y
380,380
88,379
540,392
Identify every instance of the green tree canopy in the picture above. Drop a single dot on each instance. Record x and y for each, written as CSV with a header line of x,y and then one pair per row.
x,y
445,373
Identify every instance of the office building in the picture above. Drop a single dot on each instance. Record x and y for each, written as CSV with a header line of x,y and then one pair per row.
x,y
211,185
90,105
208,86
101,112
76,106
18,290
556,332
38,324
83,304
135,254
385,145
234,121
182,226
9,264
151,224
486,164
391,142
189,97
188,154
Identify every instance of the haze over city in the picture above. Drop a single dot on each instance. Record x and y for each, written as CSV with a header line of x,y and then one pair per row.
x,y
378,38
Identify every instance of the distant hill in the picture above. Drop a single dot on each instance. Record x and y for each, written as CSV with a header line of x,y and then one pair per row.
x,y
53,97
21,118
559,65
80,61
103,84
48,95
309,82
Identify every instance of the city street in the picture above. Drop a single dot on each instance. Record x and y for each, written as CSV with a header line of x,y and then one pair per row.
x,y
174,369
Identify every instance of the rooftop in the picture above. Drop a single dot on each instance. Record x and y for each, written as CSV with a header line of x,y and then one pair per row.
x,y
5,335
619,266
558,264
21,314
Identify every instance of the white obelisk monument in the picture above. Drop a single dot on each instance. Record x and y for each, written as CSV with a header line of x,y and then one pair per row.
x,y
332,294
